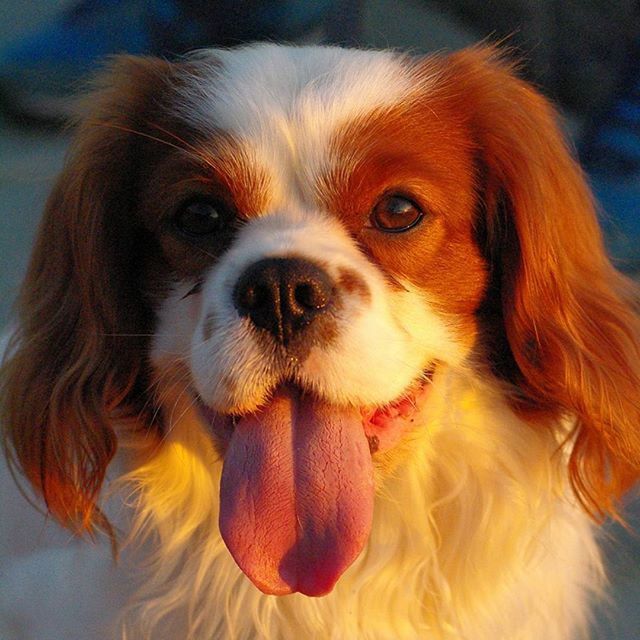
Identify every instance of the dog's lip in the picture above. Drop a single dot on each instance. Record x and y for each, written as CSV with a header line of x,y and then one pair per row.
x,y
384,425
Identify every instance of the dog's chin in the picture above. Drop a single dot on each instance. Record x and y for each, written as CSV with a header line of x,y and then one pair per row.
x,y
297,485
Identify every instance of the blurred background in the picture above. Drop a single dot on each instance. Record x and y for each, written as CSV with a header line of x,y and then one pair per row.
x,y
584,54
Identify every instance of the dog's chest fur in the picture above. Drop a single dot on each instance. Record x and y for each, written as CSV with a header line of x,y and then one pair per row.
x,y
476,538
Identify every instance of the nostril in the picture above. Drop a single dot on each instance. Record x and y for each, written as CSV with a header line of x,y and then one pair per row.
x,y
311,296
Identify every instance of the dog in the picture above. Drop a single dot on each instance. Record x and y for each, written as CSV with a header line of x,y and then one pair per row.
x,y
347,318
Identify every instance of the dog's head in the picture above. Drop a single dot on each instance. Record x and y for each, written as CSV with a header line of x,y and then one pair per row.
x,y
297,240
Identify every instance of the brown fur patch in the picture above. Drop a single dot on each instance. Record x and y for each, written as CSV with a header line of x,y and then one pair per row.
x,y
350,282
421,150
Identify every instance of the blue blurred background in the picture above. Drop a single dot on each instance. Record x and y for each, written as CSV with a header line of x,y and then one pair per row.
x,y
584,54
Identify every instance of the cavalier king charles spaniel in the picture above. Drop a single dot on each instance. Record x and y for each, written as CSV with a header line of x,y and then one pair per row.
x,y
347,319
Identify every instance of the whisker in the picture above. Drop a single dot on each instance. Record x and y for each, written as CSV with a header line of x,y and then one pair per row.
x,y
128,335
142,134
173,420
187,145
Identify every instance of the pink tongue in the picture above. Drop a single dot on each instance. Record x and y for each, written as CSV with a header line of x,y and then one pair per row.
x,y
297,494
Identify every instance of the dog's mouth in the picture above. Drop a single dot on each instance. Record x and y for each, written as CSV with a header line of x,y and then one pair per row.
x,y
297,487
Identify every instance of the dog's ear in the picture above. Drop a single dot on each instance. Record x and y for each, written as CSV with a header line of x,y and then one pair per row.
x,y
570,319
75,359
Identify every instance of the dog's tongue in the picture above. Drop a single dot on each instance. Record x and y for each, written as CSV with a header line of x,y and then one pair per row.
x,y
297,494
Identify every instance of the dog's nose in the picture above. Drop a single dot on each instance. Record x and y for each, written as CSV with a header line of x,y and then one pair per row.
x,y
283,295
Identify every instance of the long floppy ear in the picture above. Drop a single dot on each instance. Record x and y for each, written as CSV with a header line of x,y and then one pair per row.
x,y
571,320
74,361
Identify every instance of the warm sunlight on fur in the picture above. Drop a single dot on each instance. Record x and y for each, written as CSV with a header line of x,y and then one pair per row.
x,y
441,525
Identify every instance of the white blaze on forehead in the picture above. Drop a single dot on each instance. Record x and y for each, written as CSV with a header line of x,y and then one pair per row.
x,y
284,103
254,83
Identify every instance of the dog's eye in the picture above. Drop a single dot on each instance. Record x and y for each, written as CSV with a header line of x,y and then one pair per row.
x,y
395,213
202,218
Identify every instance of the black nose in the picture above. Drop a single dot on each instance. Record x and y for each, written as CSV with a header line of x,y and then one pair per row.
x,y
283,295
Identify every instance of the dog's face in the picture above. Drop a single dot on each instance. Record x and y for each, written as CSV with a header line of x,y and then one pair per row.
x,y
301,213
304,224
297,241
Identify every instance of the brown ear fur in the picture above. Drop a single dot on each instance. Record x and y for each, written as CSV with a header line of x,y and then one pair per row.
x,y
74,362
570,318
